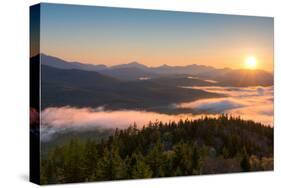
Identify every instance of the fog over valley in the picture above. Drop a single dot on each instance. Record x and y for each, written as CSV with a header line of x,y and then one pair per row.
x,y
250,103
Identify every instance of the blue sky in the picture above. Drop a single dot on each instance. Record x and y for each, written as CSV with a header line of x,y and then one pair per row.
x,y
103,35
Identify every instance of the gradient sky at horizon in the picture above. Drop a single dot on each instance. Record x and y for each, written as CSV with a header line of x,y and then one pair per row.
x,y
110,36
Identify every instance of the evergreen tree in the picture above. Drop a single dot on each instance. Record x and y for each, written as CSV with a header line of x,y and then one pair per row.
x,y
196,160
155,159
73,168
245,164
110,166
183,158
90,160
139,169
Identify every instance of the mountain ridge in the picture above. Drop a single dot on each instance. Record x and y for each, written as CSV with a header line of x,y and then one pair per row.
x,y
137,71
136,64
124,65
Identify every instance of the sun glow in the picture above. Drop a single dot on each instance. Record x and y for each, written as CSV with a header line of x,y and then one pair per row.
x,y
251,63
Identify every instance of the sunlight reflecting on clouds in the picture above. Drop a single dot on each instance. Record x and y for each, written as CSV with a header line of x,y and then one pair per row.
x,y
252,103
67,116
59,119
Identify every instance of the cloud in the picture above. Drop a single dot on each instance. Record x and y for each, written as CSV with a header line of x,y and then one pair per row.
x,y
252,103
217,105
236,91
64,117
61,119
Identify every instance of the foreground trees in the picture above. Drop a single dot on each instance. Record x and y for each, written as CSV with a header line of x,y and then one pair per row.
x,y
204,146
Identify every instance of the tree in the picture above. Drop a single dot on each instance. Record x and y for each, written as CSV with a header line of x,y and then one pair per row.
x,y
196,160
73,168
155,159
245,164
139,169
90,160
110,166
183,159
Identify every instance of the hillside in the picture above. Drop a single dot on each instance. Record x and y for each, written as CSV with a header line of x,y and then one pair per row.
x,y
91,89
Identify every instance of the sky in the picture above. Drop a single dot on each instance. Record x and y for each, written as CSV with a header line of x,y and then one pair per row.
x,y
110,36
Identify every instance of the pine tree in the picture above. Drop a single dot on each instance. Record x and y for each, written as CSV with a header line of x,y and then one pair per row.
x,y
183,158
245,164
90,160
110,166
196,160
155,159
73,168
139,169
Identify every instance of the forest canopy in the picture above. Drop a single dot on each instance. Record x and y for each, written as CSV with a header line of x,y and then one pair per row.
x,y
187,147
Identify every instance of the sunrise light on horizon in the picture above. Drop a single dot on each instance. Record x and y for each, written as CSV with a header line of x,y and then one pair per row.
x,y
104,35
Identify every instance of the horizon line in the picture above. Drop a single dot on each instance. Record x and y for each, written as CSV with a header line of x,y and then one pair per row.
x,y
135,61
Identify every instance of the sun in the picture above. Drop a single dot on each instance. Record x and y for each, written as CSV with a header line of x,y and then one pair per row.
x,y
251,63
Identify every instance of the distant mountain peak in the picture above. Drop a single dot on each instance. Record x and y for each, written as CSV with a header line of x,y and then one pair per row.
x,y
165,66
133,64
136,63
200,66
62,64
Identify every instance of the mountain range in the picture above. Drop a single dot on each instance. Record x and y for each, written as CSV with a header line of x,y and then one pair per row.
x,y
136,71
81,88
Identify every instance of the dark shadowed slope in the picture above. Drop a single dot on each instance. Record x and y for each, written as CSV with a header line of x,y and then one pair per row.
x,y
87,88
129,73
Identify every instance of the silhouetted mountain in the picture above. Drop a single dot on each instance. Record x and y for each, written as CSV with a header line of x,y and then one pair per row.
x,y
135,71
189,69
61,64
133,64
75,77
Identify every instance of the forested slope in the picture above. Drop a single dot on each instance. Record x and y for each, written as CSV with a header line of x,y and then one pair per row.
x,y
203,146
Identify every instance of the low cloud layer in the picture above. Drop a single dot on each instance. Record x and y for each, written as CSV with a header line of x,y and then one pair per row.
x,y
253,103
213,105
58,119
64,117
